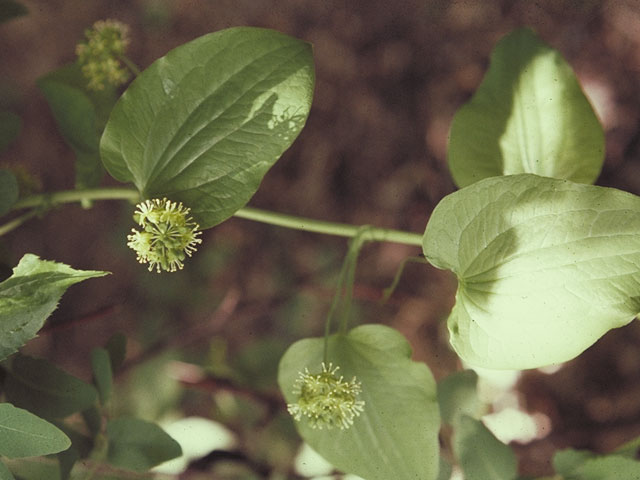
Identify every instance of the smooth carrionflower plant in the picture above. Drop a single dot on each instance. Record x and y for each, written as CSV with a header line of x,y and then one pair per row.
x,y
168,234
100,55
326,399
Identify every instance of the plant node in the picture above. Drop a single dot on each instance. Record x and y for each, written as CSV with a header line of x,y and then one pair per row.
x,y
168,234
325,399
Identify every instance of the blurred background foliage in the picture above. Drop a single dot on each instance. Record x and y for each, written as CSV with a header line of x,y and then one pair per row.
x,y
205,341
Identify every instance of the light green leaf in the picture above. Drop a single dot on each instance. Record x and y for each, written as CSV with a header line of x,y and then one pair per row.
x,y
457,396
102,375
29,296
138,445
529,115
10,125
22,434
545,267
204,123
567,461
396,436
44,389
481,455
8,191
75,116
5,474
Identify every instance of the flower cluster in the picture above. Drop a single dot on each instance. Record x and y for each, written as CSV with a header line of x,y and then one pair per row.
x,y
325,399
168,234
99,56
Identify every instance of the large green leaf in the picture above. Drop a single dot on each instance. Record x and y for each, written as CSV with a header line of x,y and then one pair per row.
x,y
5,474
29,296
44,389
396,436
545,267
529,115
138,445
204,123
481,455
22,434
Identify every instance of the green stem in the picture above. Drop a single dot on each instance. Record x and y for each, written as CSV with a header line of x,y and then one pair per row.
x,y
16,222
372,234
130,65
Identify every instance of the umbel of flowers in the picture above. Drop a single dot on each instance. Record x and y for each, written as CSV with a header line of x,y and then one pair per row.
x,y
326,399
167,237
100,55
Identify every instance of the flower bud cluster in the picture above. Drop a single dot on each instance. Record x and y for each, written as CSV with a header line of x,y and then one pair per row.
x,y
325,399
168,234
99,56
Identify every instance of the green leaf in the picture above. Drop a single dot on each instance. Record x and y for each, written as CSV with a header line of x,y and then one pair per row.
x,y
545,267
117,348
529,115
481,455
8,191
75,116
396,436
610,467
5,474
138,445
204,123
44,389
10,9
29,296
102,375
10,125
22,434
566,462
457,396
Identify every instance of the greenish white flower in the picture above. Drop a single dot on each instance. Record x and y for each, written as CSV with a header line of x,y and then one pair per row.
x,y
168,235
326,399
99,56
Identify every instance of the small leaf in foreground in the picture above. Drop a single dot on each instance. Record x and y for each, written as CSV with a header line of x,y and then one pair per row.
x,y
481,455
529,115
42,388
545,267
30,295
102,374
400,419
138,445
23,434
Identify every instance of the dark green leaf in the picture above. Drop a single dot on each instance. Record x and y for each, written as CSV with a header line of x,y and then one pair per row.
x,y
29,296
10,9
481,455
457,396
67,460
75,116
396,436
8,191
23,434
5,474
102,376
117,348
44,389
138,445
529,115
10,125
204,123
92,419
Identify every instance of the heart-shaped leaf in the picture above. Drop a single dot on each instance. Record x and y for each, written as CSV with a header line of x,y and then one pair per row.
x,y
529,115
203,124
396,436
545,267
